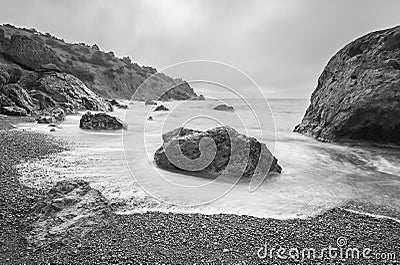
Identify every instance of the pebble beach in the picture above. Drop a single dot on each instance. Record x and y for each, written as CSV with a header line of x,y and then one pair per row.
x,y
104,237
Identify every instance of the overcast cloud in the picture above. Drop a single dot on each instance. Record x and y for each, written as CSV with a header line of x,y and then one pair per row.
x,y
282,45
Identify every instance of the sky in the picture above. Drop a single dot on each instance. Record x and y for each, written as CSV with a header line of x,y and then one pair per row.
x,y
282,45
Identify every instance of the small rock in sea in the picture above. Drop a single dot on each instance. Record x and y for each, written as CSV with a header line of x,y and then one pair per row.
x,y
224,107
150,118
161,108
223,138
150,102
101,121
52,130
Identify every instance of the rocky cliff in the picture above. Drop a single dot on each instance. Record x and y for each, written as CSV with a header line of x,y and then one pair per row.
x,y
36,63
358,92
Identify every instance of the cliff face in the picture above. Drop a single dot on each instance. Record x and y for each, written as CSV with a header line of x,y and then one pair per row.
x,y
102,72
358,92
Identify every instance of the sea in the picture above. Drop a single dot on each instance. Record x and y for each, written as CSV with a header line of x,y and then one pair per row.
x,y
316,176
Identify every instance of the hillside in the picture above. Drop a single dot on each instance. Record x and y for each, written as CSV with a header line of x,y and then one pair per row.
x,y
102,72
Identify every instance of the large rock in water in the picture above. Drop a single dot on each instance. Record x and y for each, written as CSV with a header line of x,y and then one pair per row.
x,y
358,93
230,145
101,121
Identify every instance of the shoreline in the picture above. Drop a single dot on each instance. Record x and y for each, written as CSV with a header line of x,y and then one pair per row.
x,y
100,235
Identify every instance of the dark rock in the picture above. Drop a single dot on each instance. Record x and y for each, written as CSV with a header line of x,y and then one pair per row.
x,y
358,93
46,120
101,121
19,96
117,104
13,111
201,97
150,118
60,89
230,145
224,107
150,102
161,108
58,114
52,130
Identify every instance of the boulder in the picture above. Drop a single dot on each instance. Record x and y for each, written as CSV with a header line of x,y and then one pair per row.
x,y
117,104
13,111
58,114
358,92
150,118
230,145
46,120
150,102
201,97
161,108
101,121
224,107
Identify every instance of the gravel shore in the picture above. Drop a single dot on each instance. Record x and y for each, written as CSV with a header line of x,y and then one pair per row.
x,y
162,238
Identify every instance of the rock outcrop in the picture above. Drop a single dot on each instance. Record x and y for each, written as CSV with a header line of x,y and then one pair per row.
x,y
224,107
101,121
39,92
358,92
161,108
115,103
187,149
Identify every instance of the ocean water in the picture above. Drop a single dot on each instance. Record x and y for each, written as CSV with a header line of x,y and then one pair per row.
x,y
316,176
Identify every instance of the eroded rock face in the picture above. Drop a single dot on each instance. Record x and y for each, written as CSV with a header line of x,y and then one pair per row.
x,y
101,121
66,91
19,97
358,93
230,148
